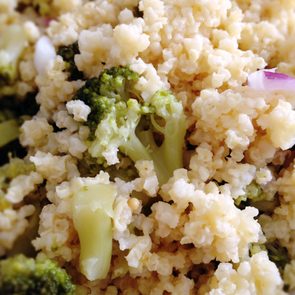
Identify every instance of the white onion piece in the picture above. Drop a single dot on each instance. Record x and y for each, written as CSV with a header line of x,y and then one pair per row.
x,y
44,54
271,80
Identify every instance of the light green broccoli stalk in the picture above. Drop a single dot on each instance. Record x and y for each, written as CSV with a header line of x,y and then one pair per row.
x,y
92,216
12,44
41,276
120,120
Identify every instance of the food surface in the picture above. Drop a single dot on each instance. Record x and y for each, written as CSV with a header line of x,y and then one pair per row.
x,y
147,147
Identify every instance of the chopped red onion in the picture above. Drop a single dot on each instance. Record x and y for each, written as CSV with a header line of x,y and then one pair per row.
x,y
271,80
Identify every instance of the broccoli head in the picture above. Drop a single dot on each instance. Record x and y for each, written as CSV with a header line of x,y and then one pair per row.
x,y
68,54
120,120
22,275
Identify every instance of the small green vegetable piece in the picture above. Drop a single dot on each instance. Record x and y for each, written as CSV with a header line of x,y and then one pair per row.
x,y
92,215
9,171
9,127
9,131
277,254
101,93
256,248
68,54
12,44
13,112
254,193
28,276
115,121
14,168
43,6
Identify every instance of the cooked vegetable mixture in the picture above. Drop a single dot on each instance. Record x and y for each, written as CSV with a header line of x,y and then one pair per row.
x,y
147,147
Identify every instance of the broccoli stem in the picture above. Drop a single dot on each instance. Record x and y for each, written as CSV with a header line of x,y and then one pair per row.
x,y
172,147
161,157
9,131
92,216
134,149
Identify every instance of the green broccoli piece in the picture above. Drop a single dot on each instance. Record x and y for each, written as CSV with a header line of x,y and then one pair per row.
x,y
20,275
118,83
12,114
101,93
9,131
277,254
43,7
253,193
9,127
255,248
14,168
256,197
12,45
120,120
92,216
68,54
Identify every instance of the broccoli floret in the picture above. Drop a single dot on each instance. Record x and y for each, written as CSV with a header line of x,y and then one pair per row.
x,y
12,45
92,216
28,276
118,83
117,116
256,248
68,54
